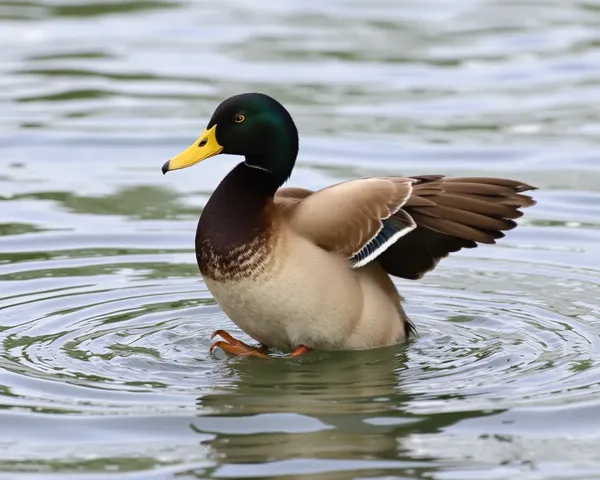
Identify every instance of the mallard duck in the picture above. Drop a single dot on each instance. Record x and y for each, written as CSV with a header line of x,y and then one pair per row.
x,y
299,270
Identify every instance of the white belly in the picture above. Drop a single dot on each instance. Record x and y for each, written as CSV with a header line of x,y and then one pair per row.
x,y
312,298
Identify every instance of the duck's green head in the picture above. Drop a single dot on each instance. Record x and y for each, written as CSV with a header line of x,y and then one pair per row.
x,y
253,125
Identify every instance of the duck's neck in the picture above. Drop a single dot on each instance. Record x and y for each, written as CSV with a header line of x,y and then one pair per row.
x,y
235,213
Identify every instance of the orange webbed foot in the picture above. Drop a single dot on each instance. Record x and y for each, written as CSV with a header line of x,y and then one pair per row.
x,y
236,347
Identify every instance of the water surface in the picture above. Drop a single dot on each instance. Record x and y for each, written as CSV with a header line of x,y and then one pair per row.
x,y
105,322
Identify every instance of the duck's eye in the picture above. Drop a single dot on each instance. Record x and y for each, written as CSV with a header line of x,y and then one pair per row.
x,y
239,118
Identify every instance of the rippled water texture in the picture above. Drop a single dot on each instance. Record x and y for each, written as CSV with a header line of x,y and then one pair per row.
x,y
105,322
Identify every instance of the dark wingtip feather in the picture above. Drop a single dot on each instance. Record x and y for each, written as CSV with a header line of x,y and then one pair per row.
x,y
409,328
451,214
525,187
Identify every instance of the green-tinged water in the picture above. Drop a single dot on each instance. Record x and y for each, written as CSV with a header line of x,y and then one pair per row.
x,y
105,322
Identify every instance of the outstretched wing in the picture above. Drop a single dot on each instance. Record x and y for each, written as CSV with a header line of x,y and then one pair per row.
x,y
408,224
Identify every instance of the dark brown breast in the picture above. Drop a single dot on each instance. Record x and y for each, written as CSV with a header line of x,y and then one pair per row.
x,y
235,235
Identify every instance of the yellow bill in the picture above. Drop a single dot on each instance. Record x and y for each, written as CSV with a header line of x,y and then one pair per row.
x,y
206,146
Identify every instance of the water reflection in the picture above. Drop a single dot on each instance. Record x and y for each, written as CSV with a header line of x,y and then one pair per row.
x,y
34,10
359,383
141,202
349,414
311,408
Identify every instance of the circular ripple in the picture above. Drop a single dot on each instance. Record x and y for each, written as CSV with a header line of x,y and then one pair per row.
x,y
482,346
114,329
476,344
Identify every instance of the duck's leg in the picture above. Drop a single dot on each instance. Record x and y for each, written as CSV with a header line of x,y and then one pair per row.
x,y
301,350
236,347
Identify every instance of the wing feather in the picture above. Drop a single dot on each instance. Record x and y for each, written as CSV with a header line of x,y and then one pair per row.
x,y
349,217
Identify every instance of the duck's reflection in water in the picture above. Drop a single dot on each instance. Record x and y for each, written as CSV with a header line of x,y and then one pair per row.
x,y
326,405
340,411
